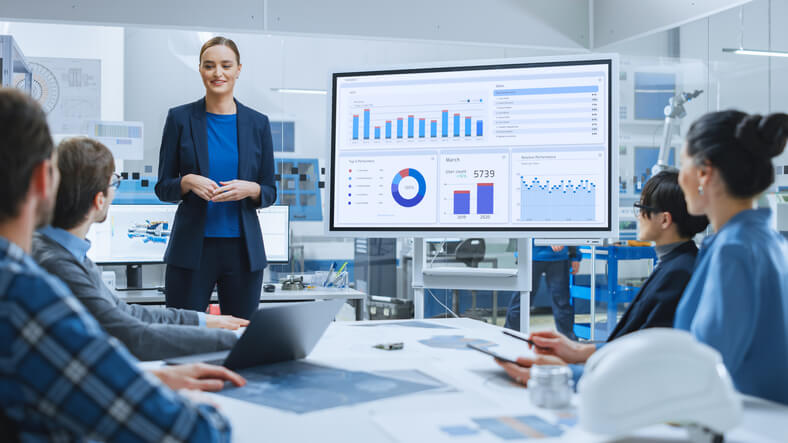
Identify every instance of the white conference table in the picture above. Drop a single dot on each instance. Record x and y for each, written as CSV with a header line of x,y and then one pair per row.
x,y
477,388
358,298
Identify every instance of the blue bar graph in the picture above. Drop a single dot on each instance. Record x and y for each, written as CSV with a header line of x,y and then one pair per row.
x,y
366,124
462,202
387,126
377,132
562,201
484,198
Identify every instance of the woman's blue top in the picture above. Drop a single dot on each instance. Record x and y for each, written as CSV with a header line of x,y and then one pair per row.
x,y
737,302
222,219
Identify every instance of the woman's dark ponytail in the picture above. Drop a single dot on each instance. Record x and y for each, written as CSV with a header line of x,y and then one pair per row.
x,y
741,146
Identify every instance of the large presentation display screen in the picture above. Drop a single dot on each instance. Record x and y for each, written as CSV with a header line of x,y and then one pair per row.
x,y
512,147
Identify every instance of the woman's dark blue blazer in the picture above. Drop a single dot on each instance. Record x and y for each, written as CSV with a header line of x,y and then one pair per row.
x,y
184,150
655,304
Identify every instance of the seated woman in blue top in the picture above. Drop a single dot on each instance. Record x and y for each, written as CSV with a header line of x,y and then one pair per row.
x,y
737,300
663,219
217,160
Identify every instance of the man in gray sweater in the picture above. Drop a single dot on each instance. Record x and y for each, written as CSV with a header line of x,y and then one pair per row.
x,y
86,191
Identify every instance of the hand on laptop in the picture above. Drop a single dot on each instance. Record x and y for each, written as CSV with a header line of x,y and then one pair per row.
x,y
198,376
225,322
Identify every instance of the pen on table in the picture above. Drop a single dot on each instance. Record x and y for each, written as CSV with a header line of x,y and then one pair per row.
x,y
529,341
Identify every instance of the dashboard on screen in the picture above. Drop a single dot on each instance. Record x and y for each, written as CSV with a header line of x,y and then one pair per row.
x,y
513,147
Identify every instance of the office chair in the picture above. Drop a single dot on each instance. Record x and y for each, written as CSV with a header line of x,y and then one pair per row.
x,y
471,252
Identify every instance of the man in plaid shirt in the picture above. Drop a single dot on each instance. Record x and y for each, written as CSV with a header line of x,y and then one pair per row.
x,y
61,377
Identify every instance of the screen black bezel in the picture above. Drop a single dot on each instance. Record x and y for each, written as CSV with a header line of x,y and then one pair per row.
x,y
606,61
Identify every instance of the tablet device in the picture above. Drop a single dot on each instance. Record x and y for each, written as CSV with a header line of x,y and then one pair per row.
x,y
491,353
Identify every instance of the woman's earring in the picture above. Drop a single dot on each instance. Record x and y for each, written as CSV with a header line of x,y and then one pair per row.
x,y
700,189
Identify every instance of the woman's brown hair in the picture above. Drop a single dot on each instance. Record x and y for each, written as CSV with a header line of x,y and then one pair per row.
x,y
223,41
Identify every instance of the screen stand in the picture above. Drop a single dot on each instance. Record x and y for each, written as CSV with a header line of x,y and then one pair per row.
x,y
134,276
474,279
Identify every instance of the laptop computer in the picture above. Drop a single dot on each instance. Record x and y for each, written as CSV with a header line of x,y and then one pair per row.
x,y
280,333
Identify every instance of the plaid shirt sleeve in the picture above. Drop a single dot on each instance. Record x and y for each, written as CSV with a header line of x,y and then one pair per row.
x,y
62,378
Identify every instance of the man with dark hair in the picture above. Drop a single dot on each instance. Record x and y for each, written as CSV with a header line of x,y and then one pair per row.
x,y
87,188
61,377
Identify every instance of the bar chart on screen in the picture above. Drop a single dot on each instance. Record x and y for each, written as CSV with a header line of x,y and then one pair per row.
x,y
474,186
405,119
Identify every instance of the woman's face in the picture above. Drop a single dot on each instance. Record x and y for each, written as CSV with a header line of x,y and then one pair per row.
x,y
219,70
690,181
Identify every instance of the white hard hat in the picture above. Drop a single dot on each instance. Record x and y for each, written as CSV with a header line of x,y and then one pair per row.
x,y
655,376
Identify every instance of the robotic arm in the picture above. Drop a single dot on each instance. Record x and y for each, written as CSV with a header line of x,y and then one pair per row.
x,y
674,112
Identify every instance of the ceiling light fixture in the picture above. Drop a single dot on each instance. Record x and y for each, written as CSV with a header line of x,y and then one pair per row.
x,y
744,51
741,50
299,91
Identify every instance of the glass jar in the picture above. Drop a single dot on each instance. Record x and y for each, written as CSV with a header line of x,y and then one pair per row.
x,y
550,386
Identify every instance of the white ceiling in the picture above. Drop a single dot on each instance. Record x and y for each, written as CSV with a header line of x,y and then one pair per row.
x,y
578,25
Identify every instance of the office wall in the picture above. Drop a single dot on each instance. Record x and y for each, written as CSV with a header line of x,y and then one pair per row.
x,y
749,83
104,43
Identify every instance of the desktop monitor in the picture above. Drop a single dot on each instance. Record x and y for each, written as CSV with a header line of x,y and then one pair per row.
x,y
139,234
132,234
521,148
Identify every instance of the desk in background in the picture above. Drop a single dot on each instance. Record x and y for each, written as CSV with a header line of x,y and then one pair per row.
x,y
358,298
474,387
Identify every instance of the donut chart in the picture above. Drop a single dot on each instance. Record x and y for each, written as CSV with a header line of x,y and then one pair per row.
x,y
415,200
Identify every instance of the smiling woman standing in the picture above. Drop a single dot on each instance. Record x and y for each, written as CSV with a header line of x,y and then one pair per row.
x,y
217,160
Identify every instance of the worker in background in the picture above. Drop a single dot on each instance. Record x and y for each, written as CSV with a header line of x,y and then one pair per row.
x,y
663,219
87,188
217,160
556,263
737,299
62,377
